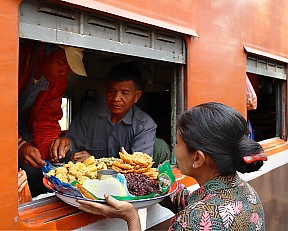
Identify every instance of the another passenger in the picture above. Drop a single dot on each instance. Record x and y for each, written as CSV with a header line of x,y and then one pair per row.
x,y
24,194
22,180
212,144
101,129
43,70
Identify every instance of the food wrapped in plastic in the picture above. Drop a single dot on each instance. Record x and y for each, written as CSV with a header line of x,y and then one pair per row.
x,y
251,97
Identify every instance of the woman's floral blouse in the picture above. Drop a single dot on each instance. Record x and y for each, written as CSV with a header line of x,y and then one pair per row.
x,y
224,203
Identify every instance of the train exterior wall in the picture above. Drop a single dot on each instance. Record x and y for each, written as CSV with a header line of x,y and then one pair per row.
x,y
216,63
216,59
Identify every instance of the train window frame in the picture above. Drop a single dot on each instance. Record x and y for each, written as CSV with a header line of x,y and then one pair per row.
x,y
268,74
174,56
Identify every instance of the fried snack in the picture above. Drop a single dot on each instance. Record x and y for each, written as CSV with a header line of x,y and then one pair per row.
x,y
91,175
141,170
61,170
52,172
101,166
92,168
70,172
81,168
137,162
152,173
142,158
123,165
89,161
62,176
124,171
114,167
70,178
84,192
126,158
107,160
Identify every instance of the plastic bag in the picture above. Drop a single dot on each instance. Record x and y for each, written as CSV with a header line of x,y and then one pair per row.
x,y
25,195
166,177
251,97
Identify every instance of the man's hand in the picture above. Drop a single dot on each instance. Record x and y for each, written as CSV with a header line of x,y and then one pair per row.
x,y
31,156
59,148
80,156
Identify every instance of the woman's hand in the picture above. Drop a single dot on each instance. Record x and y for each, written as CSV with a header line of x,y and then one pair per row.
x,y
22,180
113,209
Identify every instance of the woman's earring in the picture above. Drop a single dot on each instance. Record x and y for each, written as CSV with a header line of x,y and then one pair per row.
x,y
193,165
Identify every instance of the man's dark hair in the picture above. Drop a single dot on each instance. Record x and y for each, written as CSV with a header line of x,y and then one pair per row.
x,y
125,72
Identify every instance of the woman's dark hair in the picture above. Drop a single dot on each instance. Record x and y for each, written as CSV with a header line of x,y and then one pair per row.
x,y
222,133
125,72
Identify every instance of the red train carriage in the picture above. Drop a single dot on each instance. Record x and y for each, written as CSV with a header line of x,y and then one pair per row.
x,y
189,52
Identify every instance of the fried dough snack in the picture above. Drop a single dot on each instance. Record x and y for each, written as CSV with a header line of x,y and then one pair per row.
x,y
79,171
108,161
138,162
89,161
82,171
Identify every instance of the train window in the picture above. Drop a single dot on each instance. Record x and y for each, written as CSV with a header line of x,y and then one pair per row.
x,y
159,55
267,74
267,120
66,109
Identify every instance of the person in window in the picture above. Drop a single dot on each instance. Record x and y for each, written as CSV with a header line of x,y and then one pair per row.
x,y
102,129
43,70
212,144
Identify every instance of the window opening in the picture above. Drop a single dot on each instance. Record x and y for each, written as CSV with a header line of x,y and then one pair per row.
x,y
266,120
162,62
66,109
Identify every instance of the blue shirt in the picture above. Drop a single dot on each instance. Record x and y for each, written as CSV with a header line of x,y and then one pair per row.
x,y
26,101
93,131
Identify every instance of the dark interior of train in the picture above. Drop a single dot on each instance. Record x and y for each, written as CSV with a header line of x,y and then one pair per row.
x,y
263,119
156,80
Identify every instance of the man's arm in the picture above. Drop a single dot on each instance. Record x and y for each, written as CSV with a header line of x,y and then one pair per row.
x,y
28,154
45,115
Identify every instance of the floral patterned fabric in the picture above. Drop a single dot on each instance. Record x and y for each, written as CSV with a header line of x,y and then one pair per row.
x,y
223,203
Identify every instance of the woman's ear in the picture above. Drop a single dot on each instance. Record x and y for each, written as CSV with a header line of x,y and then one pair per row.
x,y
199,159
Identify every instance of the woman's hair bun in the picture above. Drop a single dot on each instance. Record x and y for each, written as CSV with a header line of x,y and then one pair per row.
x,y
250,156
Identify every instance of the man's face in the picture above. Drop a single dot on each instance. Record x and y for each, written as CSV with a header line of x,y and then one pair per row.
x,y
55,66
120,97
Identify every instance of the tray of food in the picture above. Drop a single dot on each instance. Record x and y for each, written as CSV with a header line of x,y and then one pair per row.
x,y
130,178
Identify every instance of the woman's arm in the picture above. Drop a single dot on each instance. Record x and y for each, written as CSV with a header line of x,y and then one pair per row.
x,y
114,209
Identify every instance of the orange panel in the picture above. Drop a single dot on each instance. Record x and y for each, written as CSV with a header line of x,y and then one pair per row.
x,y
56,216
8,115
